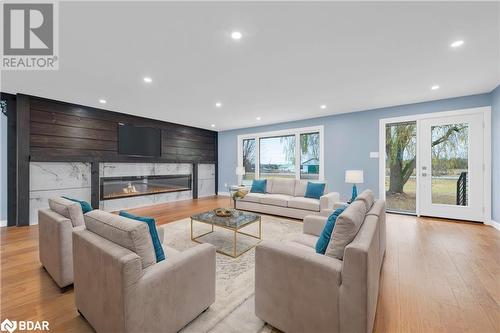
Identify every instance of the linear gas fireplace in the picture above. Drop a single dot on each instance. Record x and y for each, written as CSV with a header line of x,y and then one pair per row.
x,y
124,187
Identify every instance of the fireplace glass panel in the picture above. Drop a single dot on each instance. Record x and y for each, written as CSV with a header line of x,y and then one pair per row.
x,y
123,187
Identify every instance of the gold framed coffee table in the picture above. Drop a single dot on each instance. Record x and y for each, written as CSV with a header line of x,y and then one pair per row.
x,y
237,221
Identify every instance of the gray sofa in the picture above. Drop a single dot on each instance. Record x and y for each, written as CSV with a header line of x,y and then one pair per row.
x,y
119,287
55,226
298,290
285,197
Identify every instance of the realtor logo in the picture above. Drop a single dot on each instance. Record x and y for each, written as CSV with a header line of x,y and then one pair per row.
x,y
29,36
8,326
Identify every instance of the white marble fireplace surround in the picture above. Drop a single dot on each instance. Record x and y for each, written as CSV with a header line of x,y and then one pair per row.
x,y
143,169
72,179
51,179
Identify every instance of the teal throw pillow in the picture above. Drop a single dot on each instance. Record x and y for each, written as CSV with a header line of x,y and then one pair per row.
x,y
86,207
259,186
326,234
314,190
160,255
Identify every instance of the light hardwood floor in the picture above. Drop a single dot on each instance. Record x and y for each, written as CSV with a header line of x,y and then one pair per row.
x,y
438,275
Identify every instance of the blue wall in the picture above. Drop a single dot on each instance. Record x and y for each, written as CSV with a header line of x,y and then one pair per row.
x,y
495,146
3,167
349,139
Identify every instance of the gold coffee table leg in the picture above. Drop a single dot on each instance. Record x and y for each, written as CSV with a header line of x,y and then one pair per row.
x,y
234,247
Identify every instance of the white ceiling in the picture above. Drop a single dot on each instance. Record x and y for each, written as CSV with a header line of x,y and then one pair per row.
x,y
292,58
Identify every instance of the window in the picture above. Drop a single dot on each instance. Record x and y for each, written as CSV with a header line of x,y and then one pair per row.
x,y
248,153
295,153
277,157
309,156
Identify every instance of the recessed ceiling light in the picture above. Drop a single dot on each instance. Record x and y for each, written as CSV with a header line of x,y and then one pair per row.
x,y
435,87
147,79
457,43
323,106
258,118
218,104
213,125
236,35
102,101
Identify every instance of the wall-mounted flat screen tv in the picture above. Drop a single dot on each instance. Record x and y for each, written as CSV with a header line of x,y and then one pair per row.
x,y
139,141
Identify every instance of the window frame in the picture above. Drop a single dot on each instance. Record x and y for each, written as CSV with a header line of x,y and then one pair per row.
x,y
288,132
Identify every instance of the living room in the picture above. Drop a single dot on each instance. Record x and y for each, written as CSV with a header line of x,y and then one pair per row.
x,y
250,166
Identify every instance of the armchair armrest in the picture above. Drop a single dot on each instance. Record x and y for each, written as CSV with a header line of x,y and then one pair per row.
x,y
327,200
182,286
285,274
55,245
314,224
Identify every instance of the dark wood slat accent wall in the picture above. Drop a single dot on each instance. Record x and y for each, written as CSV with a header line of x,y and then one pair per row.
x,y
68,132
53,131
11,158
23,160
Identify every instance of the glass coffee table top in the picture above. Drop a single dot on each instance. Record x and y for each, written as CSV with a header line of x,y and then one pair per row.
x,y
238,220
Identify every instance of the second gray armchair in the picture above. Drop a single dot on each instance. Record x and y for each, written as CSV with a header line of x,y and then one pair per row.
x,y
119,288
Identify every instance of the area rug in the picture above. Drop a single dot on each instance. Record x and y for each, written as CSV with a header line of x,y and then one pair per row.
x,y
233,310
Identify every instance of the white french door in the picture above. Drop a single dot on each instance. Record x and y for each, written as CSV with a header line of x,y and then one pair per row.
x,y
451,158
438,164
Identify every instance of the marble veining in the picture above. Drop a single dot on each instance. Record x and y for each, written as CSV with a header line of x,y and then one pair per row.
x,y
206,180
59,175
51,179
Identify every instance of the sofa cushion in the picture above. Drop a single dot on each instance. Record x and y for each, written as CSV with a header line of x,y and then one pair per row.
x,y
314,190
86,207
326,234
304,203
377,209
276,199
69,209
130,234
269,187
259,186
160,255
300,188
367,197
253,197
346,228
283,186
306,239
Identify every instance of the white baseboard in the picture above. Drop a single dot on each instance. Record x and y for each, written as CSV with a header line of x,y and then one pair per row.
x,y
494,224
3,223
224,194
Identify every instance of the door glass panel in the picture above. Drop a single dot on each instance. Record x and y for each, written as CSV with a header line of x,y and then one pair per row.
x,y
277,157
249,152
309,156
450,164
400,161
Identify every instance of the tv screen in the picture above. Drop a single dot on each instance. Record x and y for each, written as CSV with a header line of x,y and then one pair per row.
x,y
139,141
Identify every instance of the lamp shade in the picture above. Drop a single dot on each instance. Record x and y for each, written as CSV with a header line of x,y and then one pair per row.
x,y
354,176
240,171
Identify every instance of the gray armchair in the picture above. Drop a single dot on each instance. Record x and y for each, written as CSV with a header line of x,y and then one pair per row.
x,y
55,226
298,290
119,287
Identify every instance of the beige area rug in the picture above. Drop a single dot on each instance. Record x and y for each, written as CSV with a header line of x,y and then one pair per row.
x,y
233,310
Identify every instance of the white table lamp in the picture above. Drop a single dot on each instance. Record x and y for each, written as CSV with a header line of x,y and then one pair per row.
x,y
354,177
